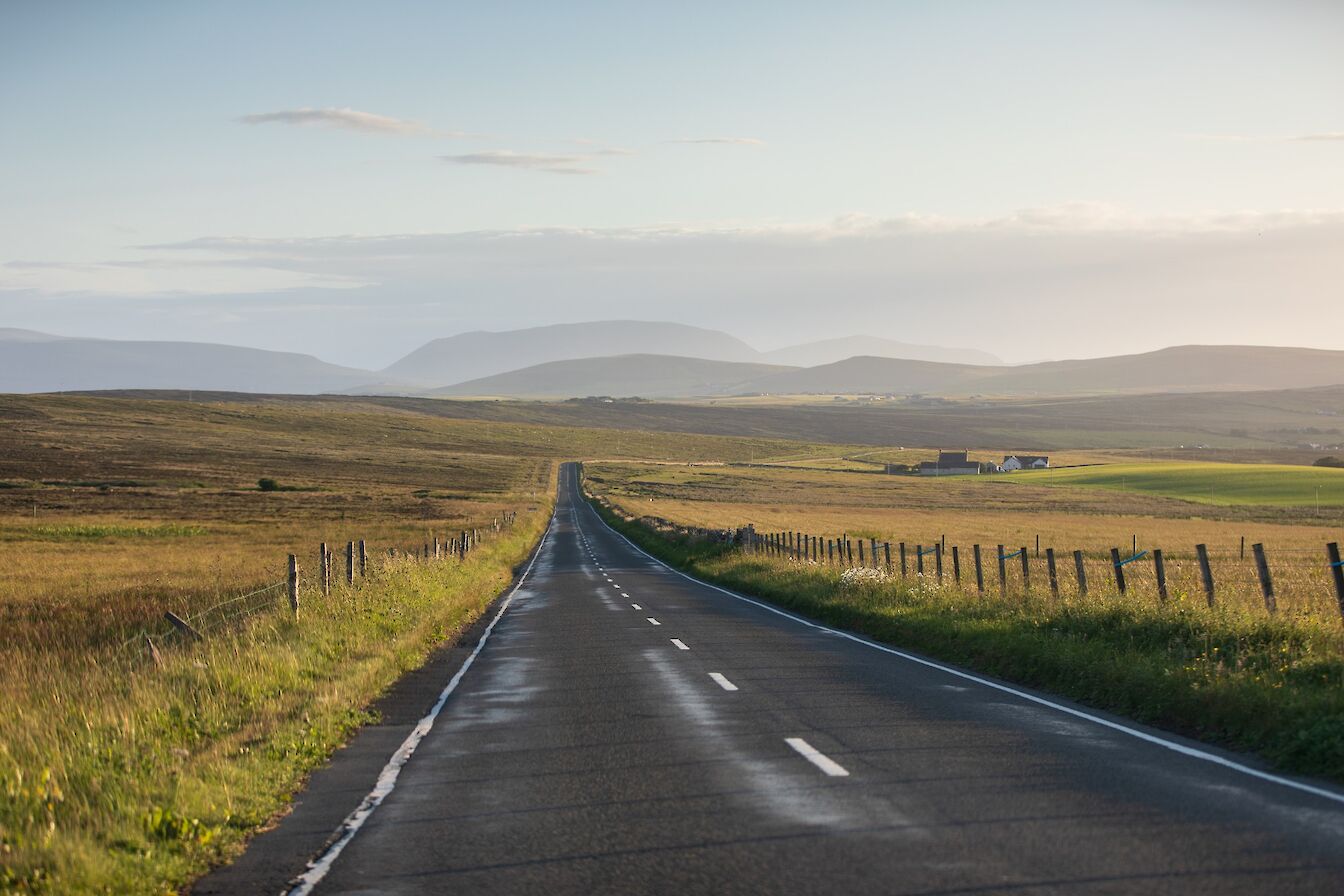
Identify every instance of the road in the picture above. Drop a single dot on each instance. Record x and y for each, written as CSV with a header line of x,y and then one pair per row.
x,y
624,729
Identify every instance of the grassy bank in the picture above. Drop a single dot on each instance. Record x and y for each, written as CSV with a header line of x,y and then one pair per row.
x,y
118,776
1273,686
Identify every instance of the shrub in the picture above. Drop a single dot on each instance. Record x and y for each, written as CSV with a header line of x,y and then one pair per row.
x,y
268,485
1328,462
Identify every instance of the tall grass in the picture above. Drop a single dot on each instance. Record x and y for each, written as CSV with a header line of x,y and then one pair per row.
x,y
1230,675
118,776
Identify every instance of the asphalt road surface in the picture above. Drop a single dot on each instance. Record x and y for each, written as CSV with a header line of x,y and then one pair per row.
x,y
624,729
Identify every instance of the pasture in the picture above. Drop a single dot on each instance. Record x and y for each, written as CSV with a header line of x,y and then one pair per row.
x,y
1264,485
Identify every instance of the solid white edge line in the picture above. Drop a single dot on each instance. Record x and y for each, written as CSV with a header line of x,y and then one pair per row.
x,y
680,644
817,758
722,682
1192,752
319,867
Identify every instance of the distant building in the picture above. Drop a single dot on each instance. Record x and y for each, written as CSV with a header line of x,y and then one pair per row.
x,y
1024,462
949,463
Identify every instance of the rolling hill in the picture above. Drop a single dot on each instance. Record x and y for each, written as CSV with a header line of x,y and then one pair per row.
x,y
38,362
478,354
643,375
828,351
1179,369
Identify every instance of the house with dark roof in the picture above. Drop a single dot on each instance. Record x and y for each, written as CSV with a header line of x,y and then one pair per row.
x,y
950,463
1015,462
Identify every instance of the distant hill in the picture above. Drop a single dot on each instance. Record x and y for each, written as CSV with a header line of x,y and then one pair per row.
x,y
828,351
1184,368
646,376
1180,369
38,362
480,354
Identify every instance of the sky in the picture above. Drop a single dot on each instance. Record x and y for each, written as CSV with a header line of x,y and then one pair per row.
x,y
1034,179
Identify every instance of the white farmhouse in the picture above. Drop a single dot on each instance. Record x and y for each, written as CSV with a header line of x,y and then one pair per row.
x,y
1014,462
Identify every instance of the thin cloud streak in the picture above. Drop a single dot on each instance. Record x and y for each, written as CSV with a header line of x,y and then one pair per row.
x,y
347,120
507,158
737,141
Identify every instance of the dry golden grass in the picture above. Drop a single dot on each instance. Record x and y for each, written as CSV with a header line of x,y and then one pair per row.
x,y
963,513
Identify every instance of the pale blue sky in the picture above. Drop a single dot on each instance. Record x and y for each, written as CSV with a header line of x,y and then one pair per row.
x,y
1138,128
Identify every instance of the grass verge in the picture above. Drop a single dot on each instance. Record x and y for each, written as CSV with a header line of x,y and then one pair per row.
x,y
123,777
1271,686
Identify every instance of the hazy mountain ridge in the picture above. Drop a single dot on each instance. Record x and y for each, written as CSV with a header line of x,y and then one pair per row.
x,y
39,362
646,376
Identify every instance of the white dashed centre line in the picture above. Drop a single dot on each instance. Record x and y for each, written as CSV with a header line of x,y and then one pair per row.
x,y
637,606
653,621
722,682
817,758
680,646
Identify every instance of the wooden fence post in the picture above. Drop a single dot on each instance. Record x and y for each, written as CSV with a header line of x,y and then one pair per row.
x,y
886,552
979,570
956,565
1052,572
1081,571
1205,571
1266,583
919,560
849,551
938,561
830,551
1119,570
1337,572
293,581
324,557
363,559
861,560
1160,569
872,551
905,566
1026,569
349,563
1003,572
183,626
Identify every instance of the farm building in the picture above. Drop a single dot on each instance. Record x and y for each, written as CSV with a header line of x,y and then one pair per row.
x,y
949,463
1024,462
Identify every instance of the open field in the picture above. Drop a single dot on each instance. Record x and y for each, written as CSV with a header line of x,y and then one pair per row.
x,y
1273,485
1003,509
1227,426
117,775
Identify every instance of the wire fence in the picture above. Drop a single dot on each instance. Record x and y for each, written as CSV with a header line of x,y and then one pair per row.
x,y
1312,580
173,630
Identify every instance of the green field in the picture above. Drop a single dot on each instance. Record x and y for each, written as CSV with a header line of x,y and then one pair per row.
x,y
1278,485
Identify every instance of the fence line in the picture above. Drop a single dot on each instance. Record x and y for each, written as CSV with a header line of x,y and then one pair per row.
x,y
796,546
198,625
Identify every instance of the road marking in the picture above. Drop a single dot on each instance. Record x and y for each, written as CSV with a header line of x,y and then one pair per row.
x,y
817,758
722,682
1155,740
653,621
623,594
680,646
319,867
637,606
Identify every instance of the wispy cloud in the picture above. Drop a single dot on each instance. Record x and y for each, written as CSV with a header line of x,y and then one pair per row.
x,y
346,119
553,164
1323,137
739,141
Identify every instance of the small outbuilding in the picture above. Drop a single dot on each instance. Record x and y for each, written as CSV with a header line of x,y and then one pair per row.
x,y
950,463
